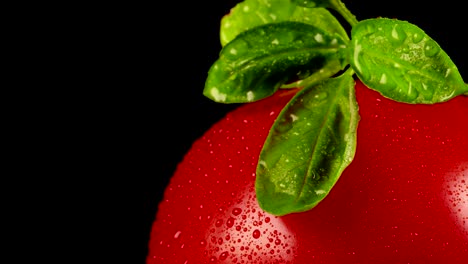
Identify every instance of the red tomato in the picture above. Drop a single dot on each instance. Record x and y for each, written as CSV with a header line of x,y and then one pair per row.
x,y
404,198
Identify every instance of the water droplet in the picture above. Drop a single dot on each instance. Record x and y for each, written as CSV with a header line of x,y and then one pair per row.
x,y
321,96
431,48
398,35
236,211
223,255
417,37
238,48
230,222
370,28
283,126
315,100
256,233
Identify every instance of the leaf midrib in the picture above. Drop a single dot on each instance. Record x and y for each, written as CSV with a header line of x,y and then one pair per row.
x,y
315,144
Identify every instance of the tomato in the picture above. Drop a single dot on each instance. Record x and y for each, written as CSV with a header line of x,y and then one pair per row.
x,y
403,199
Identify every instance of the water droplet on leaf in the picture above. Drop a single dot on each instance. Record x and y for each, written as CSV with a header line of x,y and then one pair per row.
x,y
417,37
315,99
283,126
431,48
398,35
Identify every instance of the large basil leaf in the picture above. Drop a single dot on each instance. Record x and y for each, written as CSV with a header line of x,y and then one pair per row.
x,y
251,13
312,141
256,63
403,63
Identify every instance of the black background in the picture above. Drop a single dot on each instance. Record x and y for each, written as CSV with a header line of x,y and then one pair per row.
x,y
181,41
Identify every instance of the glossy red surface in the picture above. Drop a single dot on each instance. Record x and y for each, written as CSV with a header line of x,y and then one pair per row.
x,y
404,198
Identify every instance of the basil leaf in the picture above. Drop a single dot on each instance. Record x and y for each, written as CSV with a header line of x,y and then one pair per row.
x,y
256,63
310,144
251,13
403,63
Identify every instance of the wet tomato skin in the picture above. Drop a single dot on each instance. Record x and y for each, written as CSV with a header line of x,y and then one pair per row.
x,y
403,199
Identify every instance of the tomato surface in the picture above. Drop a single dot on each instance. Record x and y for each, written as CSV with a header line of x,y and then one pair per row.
x,y
403,199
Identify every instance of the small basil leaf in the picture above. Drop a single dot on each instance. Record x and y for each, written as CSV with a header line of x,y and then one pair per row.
x,y
256,63
251,13
310,144
403,63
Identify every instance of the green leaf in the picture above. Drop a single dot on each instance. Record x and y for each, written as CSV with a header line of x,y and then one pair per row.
x,y
256,63
403,63
310,144
251,13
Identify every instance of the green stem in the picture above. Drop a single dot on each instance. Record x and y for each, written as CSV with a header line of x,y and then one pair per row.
x,y
349,71
347,15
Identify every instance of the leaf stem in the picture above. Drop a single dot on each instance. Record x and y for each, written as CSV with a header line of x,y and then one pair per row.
x,y
344,11
349,71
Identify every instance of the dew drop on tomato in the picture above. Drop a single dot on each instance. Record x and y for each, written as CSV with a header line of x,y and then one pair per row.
x,y
256,233
223,255
236,211
230,222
